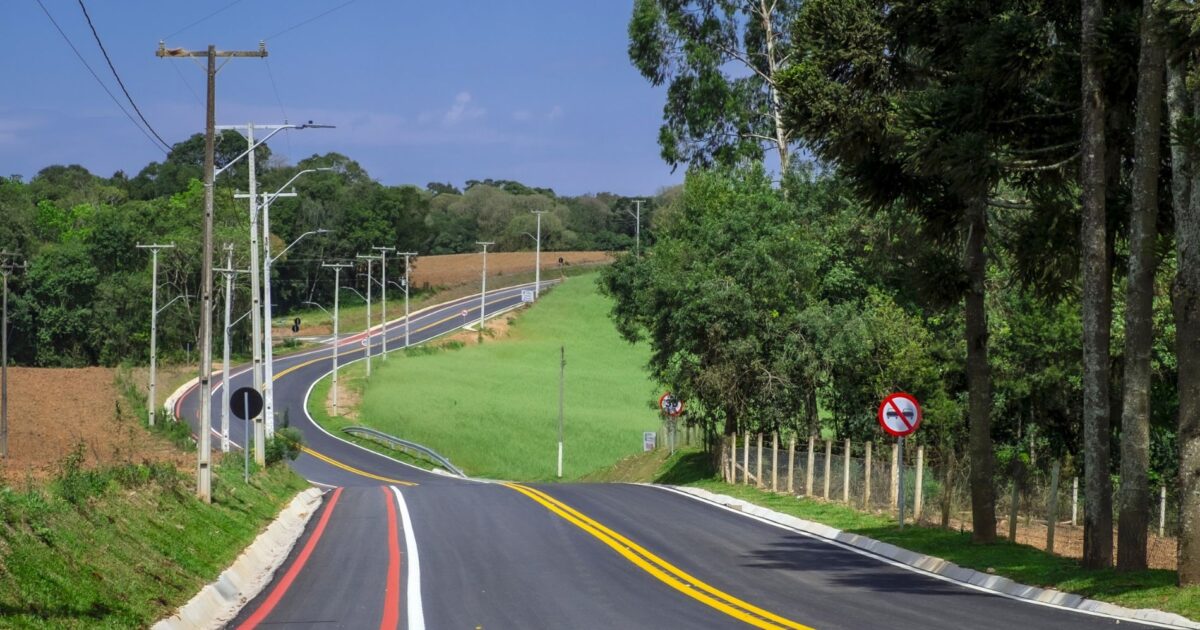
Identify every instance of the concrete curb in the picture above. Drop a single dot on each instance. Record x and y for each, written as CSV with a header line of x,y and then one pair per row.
x,y
219,602
947,570
170,402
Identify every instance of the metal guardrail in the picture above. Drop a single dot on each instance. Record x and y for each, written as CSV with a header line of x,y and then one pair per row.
x,y
399,444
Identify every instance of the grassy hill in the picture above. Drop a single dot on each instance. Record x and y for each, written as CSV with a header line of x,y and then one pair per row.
x,y
493,408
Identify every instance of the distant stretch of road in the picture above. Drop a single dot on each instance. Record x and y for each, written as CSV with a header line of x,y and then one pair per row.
x,y
394,546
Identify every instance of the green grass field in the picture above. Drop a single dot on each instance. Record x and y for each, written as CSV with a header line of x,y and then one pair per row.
x,y
493,408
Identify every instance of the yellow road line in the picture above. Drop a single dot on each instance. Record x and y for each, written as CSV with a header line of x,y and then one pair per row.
x,y
661,569
333,462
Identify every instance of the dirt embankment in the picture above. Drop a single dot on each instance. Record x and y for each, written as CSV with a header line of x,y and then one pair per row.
x,y
52,410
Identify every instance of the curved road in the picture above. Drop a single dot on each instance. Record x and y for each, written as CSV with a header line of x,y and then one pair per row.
x,y
394,546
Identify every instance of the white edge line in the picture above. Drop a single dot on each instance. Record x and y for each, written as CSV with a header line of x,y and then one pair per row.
x,y
908,567
416,611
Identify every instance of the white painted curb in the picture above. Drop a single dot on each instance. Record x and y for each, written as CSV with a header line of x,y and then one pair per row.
x,y
169,403
944,569
219,602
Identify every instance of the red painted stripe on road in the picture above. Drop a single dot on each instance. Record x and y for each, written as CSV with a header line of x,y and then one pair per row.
x,y
391,594
283,585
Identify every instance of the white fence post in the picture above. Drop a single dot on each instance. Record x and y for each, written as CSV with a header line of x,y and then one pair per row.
x,y
867,477
828,466
920,477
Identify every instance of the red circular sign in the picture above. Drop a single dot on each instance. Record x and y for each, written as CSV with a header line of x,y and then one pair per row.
x,y
670,405
900,414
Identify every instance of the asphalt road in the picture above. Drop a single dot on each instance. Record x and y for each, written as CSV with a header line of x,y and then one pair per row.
x,y
395,546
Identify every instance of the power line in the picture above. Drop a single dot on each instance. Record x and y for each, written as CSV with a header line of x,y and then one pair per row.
x,y
97,77
283,111
311,19
118,77
210,15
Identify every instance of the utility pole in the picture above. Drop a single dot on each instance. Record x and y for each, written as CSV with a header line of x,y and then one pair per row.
x,y
152,403
337,288
637,226
383,252
256,312
6,269
370,279
537,274
407,281
483,293
204,457
228,271
562,376
267,344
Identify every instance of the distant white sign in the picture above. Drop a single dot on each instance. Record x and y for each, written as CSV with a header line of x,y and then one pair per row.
x,y
526,296
649,441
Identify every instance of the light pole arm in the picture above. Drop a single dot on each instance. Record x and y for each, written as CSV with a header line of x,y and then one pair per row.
x,y
320,307
293,244
271,197
256,145
164,306
355,292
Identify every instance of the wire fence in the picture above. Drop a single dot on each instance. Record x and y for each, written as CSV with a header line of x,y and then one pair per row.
x,y
1038,503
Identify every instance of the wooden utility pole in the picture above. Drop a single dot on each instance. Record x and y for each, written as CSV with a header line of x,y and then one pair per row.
x,y
6,269
203,466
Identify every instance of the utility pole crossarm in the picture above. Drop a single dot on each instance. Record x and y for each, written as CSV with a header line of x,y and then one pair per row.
x,y
163,51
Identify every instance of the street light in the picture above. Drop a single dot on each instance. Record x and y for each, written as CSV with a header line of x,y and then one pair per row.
x,y
6,269
537,277
268,342
637,230
370,261
337,279
483,293
153,401
204,452
383,252
407,266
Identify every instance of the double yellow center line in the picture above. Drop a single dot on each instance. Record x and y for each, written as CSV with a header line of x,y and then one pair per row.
x,y
664,571
333,462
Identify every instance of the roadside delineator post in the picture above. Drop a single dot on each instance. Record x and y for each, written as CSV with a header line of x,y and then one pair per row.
x,y
758,463
917,489
775,462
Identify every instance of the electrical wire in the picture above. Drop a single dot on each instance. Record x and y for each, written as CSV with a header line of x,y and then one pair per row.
x,y
97,77
275,88
210,15
118,77
311,19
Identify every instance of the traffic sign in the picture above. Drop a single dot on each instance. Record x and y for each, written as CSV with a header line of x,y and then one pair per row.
x,y
526,295
900,414
296,322
670,405
243,398
649,441
464,312
295,328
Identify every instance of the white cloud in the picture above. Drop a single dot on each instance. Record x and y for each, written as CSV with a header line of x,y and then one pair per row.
x,y
556,112
522,115
461,110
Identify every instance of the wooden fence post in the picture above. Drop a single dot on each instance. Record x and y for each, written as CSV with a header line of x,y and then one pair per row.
x,y
846,474
758,464
828,466
1052,505
775,461
808,478
917,489
791,462
746,458
867,477
895,479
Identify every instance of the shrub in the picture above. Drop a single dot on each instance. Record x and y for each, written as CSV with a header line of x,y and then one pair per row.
x,y
286,444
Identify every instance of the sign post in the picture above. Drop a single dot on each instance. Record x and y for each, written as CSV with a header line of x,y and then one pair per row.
x,y
900,415
246,403
671,408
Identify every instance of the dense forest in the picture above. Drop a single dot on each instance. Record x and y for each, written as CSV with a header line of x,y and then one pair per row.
x,y
83,297
994,206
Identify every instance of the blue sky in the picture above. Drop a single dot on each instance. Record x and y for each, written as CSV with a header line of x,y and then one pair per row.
x,y
539,91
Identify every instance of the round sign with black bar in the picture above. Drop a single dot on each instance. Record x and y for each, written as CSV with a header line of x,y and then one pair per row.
x,y
246,403
900,414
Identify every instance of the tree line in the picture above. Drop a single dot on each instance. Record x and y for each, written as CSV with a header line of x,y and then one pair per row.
x,y
994,206
84,298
